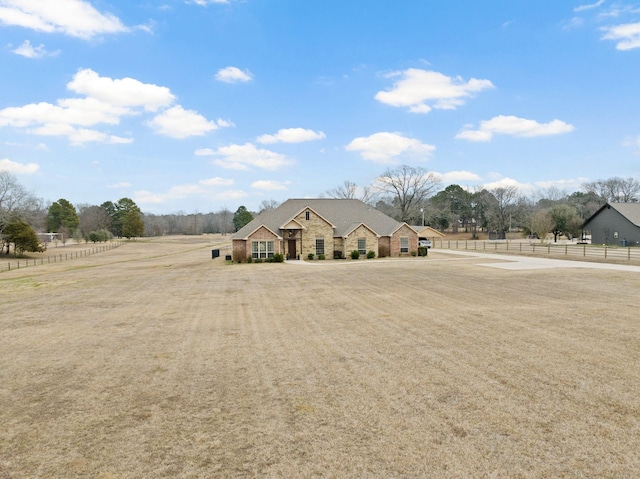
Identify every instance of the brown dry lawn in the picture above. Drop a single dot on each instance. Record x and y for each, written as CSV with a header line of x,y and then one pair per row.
x,y
151,360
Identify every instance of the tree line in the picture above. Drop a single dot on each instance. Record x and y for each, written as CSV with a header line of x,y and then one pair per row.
x,y
22,214
410,194
415,195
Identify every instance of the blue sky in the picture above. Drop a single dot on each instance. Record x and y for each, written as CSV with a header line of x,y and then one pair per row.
x,y
197,105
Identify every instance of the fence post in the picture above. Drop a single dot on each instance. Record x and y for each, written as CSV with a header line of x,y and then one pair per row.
x,y
584,251
565,250
605,251
629,253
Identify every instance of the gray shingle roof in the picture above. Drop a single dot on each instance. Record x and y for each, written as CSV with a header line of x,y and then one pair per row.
x,y
631,211
339,212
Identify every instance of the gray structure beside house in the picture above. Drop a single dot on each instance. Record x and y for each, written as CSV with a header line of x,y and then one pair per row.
x,y
615,224
331,227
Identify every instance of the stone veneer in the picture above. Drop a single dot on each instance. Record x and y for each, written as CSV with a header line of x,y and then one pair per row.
x,y
314,227
351,243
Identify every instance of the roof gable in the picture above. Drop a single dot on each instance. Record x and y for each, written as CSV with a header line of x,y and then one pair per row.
x,y
308,208
355,226
341,214
630,211
251,232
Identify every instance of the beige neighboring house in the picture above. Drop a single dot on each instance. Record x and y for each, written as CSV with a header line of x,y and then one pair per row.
x,y
333,227
427,232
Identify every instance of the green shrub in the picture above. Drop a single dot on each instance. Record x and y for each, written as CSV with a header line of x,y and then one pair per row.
x,y
310,256
258,260
249,259
371,254
278,258
414,253
423,251
321,256
355,254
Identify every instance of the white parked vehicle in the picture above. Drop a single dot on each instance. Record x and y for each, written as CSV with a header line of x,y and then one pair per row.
x,y
424,243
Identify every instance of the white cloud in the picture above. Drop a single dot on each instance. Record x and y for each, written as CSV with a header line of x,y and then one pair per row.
x,y
204,152
291,135
458,177
209,189
386,147
78,136
177,122
270,185
514,126
590,6
76,18
124,184
572,184
146,197
633,143
207,2
123,92
29,51
18,168
242,157
627,35
422,90
524,188
217,181
233,75
107,100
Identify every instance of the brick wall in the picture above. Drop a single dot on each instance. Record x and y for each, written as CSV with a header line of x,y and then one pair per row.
x,y
406,232
239,251
242,248
384,247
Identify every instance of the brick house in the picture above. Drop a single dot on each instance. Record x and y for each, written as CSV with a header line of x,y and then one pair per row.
x,y
333,227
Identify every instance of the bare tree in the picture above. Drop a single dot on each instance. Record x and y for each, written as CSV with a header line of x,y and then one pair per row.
x,y
268,205
93,218
14,199
409,187
618,190
350,190
504,209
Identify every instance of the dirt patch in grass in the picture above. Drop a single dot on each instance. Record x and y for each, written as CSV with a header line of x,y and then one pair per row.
x,y
155,361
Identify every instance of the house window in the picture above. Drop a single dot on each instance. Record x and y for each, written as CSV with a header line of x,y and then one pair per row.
x,y
306,215
320,245
362,245
262,249
404,245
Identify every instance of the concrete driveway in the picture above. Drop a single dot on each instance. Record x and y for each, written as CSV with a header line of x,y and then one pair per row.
x,y
514,262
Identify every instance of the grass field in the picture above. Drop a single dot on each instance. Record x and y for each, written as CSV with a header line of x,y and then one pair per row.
x,y
152,360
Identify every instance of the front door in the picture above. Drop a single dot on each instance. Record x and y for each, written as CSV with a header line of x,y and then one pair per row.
x,y
292,249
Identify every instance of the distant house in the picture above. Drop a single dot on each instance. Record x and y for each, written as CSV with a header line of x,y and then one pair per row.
x,y
332,227
427,232
615,224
